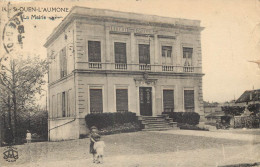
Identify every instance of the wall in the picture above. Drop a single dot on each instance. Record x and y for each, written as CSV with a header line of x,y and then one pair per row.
x,y
109,82
65,132
53,53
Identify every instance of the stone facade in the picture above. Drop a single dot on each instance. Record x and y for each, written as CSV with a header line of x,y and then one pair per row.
x,y
72,76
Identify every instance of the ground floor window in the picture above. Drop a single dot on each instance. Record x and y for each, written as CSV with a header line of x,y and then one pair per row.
x,y
96,101
121,100
168,100
189,100
64,104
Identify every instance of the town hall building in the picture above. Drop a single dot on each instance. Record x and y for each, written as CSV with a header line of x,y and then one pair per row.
x,y
109,61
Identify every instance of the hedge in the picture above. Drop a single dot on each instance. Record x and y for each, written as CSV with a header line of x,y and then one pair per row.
x,y
233,110
103,120
191,118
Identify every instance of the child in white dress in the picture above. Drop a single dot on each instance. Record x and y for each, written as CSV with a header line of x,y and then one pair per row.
x,y
99,147
28,137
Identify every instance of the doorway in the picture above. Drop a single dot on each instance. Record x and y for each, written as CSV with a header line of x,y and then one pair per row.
x,y
145,96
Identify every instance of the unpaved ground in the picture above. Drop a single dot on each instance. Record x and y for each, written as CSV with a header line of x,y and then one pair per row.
x,y
168,148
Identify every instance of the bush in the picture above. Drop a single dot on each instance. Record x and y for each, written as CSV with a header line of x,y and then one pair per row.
x,y
190,127
191,118
233,110
126,127
255,108
104,120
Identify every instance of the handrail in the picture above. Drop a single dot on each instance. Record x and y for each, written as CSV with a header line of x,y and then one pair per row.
x,y
62,125
139,67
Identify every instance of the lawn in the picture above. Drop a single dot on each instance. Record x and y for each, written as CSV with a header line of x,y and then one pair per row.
x,y
118,144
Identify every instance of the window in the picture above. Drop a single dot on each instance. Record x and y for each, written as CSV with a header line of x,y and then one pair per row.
x,y
166,51
94,51
187,56
120,52
59,110
96,101
121,100
144,54
63,62
189,100
64,104
53,106
168,100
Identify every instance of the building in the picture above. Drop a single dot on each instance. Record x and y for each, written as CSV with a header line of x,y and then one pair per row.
x,y
249,97
109,61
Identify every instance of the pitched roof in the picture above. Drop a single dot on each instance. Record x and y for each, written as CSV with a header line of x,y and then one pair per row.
x,y
249,95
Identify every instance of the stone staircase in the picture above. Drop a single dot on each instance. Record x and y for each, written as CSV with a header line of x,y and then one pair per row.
x,y
157,123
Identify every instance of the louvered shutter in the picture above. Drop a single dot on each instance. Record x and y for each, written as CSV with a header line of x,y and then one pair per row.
x,y
59,110
121,100
63,108
189,100
94,51
120,52
144,54
96,102
168,100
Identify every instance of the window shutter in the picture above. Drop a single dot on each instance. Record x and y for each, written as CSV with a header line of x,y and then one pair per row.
x,y
94,51
168,100
120,52
96,102
144,54
58,105
64,61
189,100
121,100
63,108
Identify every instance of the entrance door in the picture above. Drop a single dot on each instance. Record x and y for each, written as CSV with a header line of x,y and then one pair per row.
x,y
145,96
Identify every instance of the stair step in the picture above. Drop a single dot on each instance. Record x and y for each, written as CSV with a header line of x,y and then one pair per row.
x,y
155,129
160,119
157,123
152,125
154,121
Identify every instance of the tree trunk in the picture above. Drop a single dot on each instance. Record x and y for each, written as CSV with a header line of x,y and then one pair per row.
x,y
14,102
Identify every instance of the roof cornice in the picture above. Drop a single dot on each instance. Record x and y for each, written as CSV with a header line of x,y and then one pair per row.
x,y
121,17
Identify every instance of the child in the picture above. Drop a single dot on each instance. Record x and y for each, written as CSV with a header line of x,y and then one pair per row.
x,y
28,136
99,147
93,137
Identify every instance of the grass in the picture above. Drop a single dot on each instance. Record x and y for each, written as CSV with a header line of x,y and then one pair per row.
x,y
118,144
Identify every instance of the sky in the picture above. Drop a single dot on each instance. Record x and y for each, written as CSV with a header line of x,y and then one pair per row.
x,y
230,39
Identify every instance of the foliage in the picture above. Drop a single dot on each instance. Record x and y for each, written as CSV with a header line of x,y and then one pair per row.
x,y
20,80
191,118
120,128
190,127
255,108
233,110
247,122
104,120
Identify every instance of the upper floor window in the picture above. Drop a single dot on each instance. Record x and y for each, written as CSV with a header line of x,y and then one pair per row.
x,y
144,54
166,51
94,51
120,52
187,56
63,62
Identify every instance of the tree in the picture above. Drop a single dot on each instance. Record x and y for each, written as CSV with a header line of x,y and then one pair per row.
x,y
20,81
